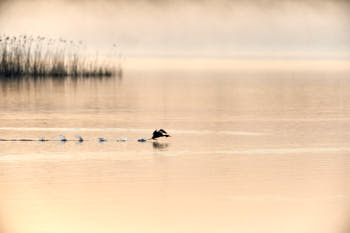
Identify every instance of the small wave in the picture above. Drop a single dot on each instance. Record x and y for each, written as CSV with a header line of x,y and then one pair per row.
x,y
287,150
267,151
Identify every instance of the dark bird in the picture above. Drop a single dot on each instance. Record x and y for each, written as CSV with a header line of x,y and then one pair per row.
x,y
80,139
63,138
159,133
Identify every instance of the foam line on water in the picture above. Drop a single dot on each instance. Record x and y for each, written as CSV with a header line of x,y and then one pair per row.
x,y
256,151
284,198
242,133
287,150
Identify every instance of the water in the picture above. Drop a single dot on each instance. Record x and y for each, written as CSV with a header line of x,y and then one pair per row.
x,y
264,151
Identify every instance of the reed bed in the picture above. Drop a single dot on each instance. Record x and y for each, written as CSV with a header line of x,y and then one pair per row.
x,y
43,57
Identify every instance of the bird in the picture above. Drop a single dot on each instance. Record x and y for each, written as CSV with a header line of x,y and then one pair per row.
x,y
63,138
42,139
102,139
80,139
159,133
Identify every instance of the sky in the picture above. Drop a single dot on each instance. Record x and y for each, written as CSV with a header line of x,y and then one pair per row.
x,y
259,29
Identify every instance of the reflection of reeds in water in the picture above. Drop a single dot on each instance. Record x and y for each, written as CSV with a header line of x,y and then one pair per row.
x,y
41,57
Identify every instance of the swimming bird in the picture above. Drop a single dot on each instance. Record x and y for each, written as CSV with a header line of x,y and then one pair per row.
x,y
63,138
159,133
42,139
80,139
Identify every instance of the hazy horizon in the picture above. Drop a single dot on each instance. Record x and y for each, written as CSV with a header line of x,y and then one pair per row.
x,y
260,29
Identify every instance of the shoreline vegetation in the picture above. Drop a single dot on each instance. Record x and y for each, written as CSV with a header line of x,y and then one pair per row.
x,y
38,56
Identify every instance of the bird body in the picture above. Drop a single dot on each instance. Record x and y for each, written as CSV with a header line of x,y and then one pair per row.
x,y
63,138
159,133
80,139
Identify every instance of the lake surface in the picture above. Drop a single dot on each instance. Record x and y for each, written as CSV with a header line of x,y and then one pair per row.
x,y
264,151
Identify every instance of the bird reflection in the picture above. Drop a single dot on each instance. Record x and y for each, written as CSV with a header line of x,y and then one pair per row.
x,y
160,145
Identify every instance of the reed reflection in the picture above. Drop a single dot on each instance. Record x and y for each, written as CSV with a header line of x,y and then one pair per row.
x,y
39,91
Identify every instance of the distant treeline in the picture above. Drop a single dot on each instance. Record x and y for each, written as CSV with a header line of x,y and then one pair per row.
x,y
40,57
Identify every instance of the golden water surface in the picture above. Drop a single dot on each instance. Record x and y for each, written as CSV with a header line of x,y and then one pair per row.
x,y
251,151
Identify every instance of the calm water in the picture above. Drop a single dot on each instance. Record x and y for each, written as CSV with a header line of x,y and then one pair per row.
x,y
251,152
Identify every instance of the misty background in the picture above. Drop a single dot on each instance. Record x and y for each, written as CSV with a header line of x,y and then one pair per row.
x,y
259,29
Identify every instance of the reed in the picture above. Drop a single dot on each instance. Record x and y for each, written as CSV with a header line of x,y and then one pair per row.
x,y
40,57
